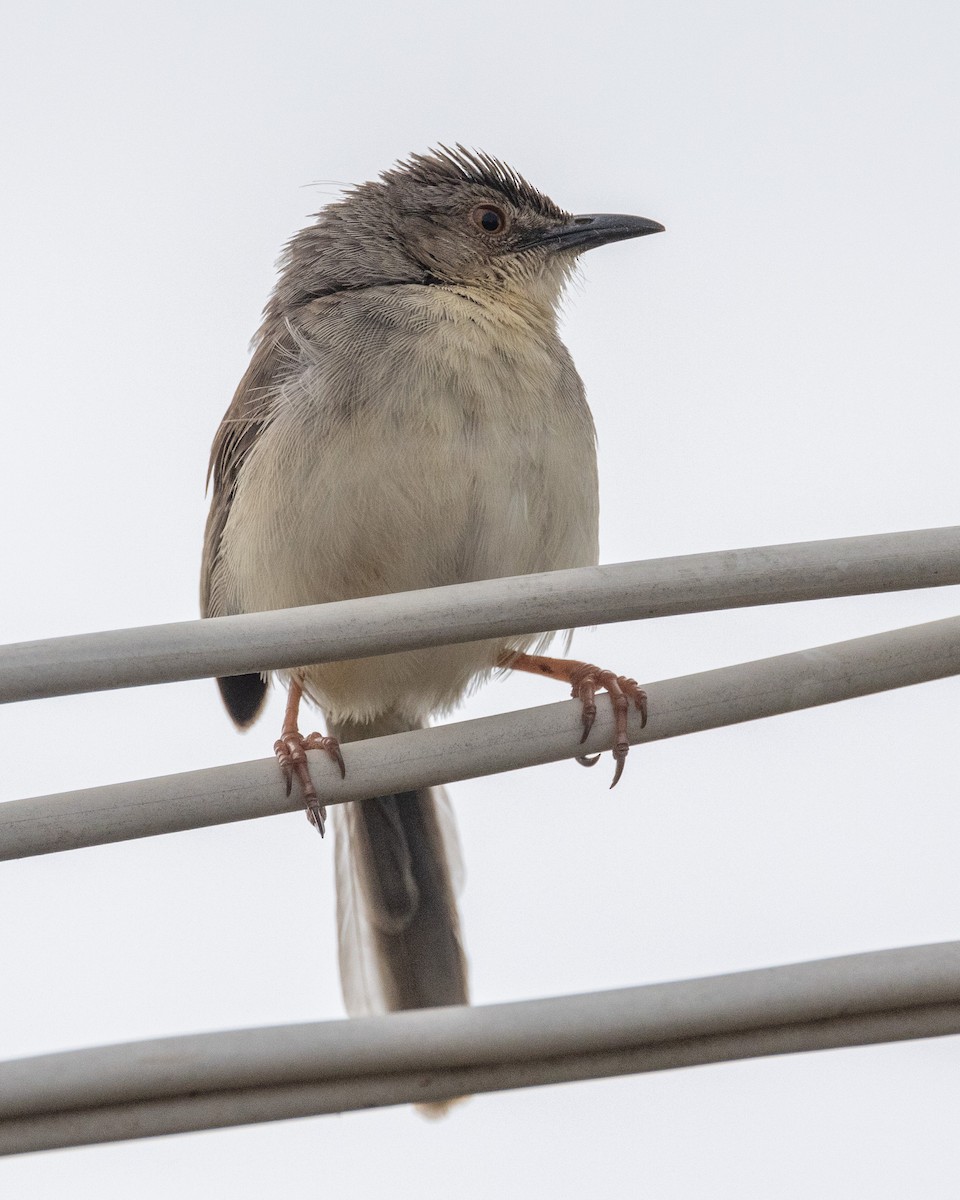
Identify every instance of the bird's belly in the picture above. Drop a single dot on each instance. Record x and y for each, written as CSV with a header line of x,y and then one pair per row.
x,y
387,506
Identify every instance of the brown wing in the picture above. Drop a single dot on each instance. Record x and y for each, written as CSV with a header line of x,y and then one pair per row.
x,y
247,416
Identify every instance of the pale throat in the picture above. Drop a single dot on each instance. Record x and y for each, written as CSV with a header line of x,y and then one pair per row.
x,y
514,306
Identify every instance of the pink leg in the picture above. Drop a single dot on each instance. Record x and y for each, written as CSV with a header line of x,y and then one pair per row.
x,y
291,748
585,679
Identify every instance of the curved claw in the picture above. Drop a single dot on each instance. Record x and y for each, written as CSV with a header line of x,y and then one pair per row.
x,y
317,741
586,761
317,816
620,752
640,700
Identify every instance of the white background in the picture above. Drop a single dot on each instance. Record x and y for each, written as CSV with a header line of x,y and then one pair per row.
x,y
781,365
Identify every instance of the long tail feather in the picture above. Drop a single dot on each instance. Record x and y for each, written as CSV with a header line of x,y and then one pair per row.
x,y
397,863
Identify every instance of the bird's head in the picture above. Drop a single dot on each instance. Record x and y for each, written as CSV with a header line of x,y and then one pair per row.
x,y
454,217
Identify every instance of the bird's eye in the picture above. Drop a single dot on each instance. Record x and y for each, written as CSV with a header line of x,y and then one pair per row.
x,y
490,219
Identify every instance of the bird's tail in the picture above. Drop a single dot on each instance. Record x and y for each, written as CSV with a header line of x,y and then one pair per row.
x,y
397,864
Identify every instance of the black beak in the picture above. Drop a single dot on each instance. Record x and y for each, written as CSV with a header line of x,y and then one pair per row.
x,y
594,229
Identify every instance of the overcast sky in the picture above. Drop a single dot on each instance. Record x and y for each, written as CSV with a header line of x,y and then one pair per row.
x,y
781,365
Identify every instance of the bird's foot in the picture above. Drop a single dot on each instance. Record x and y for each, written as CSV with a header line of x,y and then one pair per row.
x,y
291,751
584,682
585,679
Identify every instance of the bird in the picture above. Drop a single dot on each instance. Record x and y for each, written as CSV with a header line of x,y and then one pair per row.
x,y
409,418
